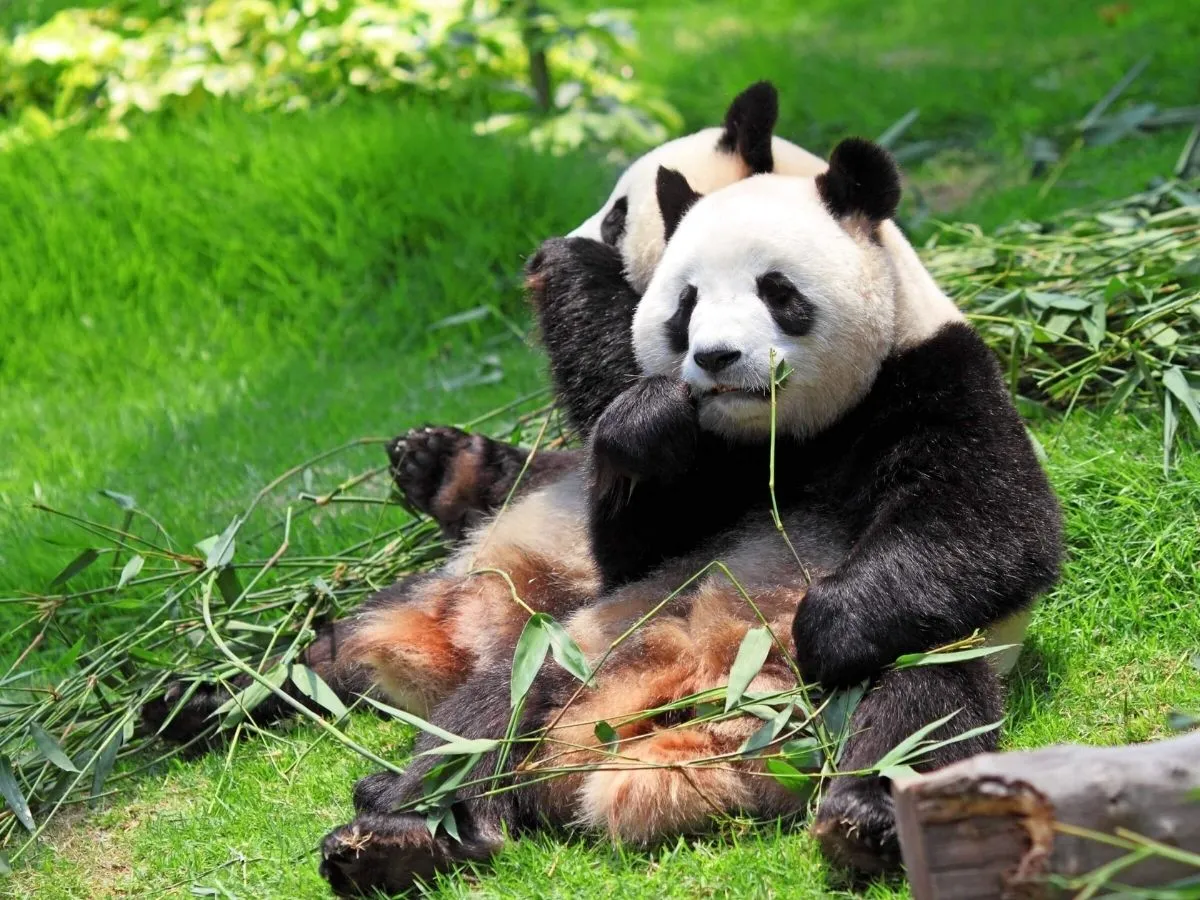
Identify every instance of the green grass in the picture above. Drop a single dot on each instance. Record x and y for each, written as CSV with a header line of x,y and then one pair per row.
x,y
184,316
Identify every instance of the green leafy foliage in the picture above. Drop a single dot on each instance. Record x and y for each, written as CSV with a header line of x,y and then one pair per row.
x,y
1098,307
103,69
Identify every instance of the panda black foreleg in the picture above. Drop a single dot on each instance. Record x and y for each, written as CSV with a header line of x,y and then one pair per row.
x,y
856,821
458,478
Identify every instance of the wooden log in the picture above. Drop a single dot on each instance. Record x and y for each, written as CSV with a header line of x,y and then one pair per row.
x,y
995,826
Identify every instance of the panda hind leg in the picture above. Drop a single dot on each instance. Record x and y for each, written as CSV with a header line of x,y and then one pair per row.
x,y
856,820
458,478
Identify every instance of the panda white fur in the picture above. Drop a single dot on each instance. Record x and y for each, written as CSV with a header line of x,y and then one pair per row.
x,y
904,477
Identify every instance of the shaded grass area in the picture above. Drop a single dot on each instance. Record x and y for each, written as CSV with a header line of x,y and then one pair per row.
x,y
186,314
1108,659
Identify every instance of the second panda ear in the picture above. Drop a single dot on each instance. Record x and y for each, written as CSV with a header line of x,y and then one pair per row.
x,y
675,197
750,125
862,180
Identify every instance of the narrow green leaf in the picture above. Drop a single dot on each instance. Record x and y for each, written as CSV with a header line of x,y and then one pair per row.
x,y
75,566
218,549
1048,300
1123,391
789,776
445,777
900,771
311,685
1095,324
607,736
11,791
467,315
228,584
901,751
896,129
464,747
750,658
409,718
958,738
803,753
841,707
1170,423
5,865
1176,382
236,708
122,500
911,660
767,732
531,650
104,761
130,570
50,748
566,652
1102,105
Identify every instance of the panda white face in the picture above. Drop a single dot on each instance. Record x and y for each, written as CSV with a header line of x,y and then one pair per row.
x,y
711,159
763,271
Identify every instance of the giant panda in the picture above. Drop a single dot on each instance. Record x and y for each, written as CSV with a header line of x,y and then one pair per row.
x,y
905,481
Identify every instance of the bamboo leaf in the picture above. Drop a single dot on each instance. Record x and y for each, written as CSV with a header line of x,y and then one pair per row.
x,y
606,735
841,707
218,548
130,570
566,652
911,660
789,776
901,771
445,777
531,650
237,707
104,761
1170,422
803,753
50,748
1176,382
75,566
1102,105
5,865
311,685
750,658
124,501
409,718
888,139
464,747
767,732
11,791
902,750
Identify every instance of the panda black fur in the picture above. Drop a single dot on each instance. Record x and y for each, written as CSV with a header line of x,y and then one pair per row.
x,y
441,644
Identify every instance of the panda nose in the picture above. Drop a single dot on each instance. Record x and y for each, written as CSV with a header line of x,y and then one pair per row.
x,y
717,359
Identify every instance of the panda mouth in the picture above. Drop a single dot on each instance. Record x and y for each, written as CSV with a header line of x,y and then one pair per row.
x,y
729,390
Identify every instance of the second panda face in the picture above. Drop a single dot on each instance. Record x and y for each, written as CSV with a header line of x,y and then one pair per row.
x,y
758,274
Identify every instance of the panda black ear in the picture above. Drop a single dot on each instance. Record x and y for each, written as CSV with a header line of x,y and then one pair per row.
x,y
862,180
750,124
675,197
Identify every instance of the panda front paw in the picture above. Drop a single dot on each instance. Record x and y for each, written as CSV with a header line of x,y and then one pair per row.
x,y
431,467
649,431
833,648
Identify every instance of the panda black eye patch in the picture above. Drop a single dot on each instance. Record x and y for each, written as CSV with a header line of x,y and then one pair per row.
x,y
791,310
612,229
677,326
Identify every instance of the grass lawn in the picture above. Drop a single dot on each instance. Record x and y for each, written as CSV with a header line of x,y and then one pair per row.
x,y
184,316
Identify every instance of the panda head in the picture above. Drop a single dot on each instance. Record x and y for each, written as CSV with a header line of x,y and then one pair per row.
x,y
742,146
775,269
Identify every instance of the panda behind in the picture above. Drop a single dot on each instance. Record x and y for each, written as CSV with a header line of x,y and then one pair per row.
x,y
743,145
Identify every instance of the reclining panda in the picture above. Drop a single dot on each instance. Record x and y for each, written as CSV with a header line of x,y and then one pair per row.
x,y
904,478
